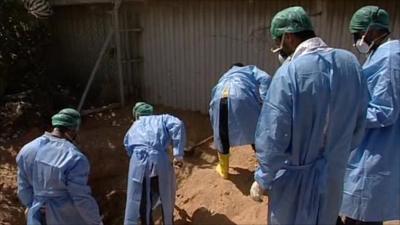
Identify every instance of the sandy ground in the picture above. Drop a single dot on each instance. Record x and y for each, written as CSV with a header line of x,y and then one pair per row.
x,y
203,198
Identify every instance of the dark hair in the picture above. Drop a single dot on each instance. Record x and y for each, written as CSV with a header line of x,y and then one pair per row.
x,y
237,64
381,30
62,129
305,35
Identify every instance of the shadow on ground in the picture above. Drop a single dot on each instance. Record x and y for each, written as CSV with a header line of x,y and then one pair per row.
x,y
242,179
202,216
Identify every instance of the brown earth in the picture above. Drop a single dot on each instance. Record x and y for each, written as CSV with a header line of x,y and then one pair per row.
x,y
203,198
11,212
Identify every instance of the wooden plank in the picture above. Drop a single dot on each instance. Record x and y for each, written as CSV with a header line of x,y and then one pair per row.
x,y
119,50
191,149
95,68
127,48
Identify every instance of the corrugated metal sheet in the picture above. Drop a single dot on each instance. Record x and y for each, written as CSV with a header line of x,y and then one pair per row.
x,y
79,33
187,44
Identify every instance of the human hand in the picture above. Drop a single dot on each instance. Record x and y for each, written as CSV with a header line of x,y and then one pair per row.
x,y
256,192
178,162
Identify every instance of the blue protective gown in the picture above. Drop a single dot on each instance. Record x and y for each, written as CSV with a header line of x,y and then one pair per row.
x,y
53,173
312,116
372,181
146,143
246,87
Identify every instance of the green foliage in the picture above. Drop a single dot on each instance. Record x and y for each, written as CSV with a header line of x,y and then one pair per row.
x,y
22,42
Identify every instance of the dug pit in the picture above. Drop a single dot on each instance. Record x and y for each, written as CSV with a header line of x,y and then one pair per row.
x,y
202,196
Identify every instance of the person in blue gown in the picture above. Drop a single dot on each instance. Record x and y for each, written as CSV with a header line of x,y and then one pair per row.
x,y
53,175
151,178
372,183
312,116
235,105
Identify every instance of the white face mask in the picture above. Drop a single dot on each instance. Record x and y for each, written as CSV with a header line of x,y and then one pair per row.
x,y
362,46
281,58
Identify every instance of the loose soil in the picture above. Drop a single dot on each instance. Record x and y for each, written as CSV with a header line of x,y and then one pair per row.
x,y
203,198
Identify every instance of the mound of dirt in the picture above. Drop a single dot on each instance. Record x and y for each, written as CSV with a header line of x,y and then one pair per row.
x,y
202,196
11,211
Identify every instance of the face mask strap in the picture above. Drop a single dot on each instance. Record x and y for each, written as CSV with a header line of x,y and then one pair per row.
x,y
276,50
372,44
362,40
364,35
377,39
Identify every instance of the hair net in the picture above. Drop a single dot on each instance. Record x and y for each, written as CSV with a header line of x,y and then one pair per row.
x,y
69,118
369,16
142,109
290,20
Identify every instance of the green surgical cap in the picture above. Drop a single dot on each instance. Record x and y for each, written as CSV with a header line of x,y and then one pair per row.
x,y
369,16
142,109
69,118
290,20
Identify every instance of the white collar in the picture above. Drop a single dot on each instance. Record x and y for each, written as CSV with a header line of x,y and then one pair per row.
x,y
309,46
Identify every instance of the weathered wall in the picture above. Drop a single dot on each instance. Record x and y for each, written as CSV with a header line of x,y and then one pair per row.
x,y
187,44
